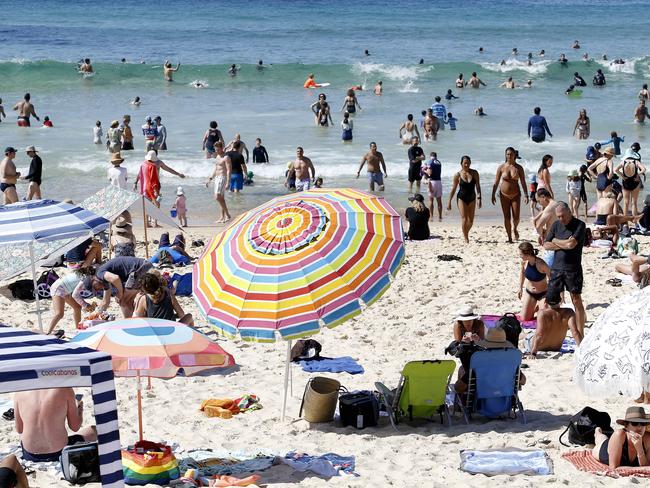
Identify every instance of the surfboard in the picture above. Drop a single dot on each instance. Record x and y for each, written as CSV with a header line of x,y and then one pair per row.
x,y
576,93
87,75
323,85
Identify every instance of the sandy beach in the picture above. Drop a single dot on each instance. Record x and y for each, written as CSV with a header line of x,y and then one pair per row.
x,y
413,320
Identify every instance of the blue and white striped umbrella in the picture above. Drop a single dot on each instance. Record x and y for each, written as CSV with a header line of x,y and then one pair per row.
x,y
46,220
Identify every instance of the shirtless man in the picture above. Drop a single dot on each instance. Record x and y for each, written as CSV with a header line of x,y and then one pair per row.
x,y
242,146
552,326
379,89
168,70
475,81
40,420
221,177
509,83
302,167
641,113
86,66
9,176
25,109
431,126
544,219
376,164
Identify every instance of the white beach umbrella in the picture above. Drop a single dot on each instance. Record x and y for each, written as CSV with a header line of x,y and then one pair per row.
x,y
614,356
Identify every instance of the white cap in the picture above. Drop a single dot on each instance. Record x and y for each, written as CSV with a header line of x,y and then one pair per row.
x,y
152,156
179,191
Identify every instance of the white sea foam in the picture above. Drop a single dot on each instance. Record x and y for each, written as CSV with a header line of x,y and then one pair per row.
x,y
200,84
409,87
629,67
391,72
537,68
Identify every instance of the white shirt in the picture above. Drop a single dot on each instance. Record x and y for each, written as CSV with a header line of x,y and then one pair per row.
x,y
97,133
117,176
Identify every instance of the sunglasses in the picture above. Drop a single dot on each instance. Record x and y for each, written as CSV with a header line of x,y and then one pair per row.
x,y
637,424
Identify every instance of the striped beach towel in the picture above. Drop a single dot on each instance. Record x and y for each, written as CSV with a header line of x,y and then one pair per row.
x,y
584,461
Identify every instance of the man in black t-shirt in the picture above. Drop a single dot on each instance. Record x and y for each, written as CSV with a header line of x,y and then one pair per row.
x,y
238,168
566,237
416,156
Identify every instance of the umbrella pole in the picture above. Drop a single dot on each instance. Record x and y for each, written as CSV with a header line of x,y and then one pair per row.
x,y
287,370
139,406
38,300
144,222
110,234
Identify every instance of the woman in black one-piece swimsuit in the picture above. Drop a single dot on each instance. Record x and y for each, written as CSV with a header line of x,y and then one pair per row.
x,y
469,190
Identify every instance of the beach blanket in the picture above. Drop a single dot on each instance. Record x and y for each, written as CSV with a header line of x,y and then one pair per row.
x,y
568,344
493,462
327,465
491,320
584,461
225,463
344,364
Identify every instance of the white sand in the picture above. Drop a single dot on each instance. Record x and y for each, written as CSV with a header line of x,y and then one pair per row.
x,y
412,321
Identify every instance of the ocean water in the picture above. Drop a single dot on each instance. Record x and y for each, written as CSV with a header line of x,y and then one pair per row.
x,y
40,43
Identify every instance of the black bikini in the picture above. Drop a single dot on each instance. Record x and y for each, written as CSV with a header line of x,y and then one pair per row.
x,y
601,219
466,190
533,274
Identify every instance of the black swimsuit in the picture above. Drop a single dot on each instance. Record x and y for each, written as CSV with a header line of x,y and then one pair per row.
x,y
630,183
466,190
603,455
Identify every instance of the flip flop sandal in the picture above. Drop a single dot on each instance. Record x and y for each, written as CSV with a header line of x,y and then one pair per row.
x,y
59,334
9,414
614,282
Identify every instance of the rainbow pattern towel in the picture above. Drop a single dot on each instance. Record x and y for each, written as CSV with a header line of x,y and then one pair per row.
x,y
491,320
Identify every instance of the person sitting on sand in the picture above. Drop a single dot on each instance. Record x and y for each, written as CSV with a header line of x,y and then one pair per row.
x,y
629,446
543,220
552,326
418,218
534,272
156,301
87,253
12,474
123,240
40,417
606,206
468,326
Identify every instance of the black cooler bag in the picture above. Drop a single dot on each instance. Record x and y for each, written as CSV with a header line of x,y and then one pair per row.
x,y
360,409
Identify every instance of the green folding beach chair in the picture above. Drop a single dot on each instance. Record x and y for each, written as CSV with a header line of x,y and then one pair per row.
x,y
422,392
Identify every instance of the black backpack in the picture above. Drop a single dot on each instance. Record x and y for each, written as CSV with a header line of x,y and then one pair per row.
x,y
359,409
510,324
22,289
80,463
582,426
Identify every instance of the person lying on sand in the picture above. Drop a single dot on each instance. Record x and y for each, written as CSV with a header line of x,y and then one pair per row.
x,y
552,326
629,446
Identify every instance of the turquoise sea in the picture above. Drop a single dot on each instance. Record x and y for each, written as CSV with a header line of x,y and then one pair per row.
x,y
41,42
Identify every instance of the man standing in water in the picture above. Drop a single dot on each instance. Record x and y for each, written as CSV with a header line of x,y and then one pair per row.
x,y
242,146
641,113
168,70
150,132
303,168
221,177
161,138
35,174
475,81
237,167
25,109
9,176
566,237
376,164
416,156
537,126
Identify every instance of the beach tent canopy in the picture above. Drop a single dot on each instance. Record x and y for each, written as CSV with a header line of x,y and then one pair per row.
x,y
30,361
108,202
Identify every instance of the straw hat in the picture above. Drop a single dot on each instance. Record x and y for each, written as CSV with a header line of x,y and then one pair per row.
x,y
152,156
122,223
30,149
114,124
123,233
116,158
634,414
467,313
495,338
609,151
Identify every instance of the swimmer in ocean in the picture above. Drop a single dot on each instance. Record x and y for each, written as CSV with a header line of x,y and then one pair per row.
x,y
136,101
530,56
86,66
576,44
480,112
585,57
168,70
232,71
509,83
563,60
528,84
515,51
260,65
421,61
123,60
379,89
475,81
366,52
310,82
578,80
542,53
570,89
503,62
605,57
480,49
449,95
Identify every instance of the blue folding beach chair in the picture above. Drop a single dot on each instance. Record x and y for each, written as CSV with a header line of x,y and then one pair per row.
x,y
494,381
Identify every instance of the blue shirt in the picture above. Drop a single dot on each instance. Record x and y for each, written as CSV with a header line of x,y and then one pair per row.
x,y
436,169
452,123
617,144
537,127
440,111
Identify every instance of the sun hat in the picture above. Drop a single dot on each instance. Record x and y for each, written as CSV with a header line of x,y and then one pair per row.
x,y
122,222
610,151
116,158
115,123
634,414
573,173
179,191
467,313
417,197
495,338
152,156
10,149
30,149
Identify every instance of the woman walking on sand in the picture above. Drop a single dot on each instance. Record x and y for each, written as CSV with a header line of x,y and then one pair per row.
x,y
508,178
467,181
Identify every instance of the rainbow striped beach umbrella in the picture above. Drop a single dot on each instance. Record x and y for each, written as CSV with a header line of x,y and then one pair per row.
x,y
298,263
